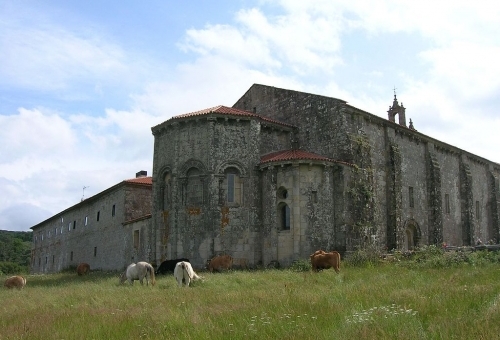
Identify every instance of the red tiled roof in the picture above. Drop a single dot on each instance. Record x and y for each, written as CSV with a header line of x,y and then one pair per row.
x,y
224,110
295,154
140,180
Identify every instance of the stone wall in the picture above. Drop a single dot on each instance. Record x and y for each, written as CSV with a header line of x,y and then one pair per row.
x,y
91,231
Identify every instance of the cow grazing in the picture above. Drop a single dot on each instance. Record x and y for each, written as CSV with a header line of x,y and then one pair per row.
x,y
322,260
184,273
82,269
139,271
168,266
220,262
15,282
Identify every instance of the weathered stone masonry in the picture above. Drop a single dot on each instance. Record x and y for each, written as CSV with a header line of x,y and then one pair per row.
x,y
279,175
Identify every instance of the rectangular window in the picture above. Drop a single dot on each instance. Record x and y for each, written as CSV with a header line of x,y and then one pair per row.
x,y
314,197
136,239
113,211
95,251
447,203
478,216
53,259
410,192
46,260
230,188
71,256
55,231
98,214
86,220
62,220
74,224
69,226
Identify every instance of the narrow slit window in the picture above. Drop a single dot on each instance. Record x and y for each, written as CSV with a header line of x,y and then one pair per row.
x,y
410,194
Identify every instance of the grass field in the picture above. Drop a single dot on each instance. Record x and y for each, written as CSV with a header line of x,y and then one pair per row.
x,y
373,302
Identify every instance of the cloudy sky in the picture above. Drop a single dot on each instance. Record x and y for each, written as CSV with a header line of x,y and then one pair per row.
x,y
83,82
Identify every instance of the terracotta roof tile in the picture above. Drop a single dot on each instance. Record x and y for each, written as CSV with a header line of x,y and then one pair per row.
x,y
224,110
140,180
295,154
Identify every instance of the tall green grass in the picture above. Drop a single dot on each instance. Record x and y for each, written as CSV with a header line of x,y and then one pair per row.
x,y
388,301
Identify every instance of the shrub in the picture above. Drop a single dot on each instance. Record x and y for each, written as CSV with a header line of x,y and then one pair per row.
x,y
301,266
364,257
11,268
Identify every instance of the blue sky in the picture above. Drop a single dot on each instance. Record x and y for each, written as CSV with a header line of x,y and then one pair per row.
x,y
83,82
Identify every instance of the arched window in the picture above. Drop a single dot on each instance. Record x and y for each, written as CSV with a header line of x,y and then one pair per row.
x,y
194,187
167,191
284,216
233,186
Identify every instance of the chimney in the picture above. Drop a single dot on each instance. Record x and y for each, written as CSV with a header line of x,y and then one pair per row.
x,y
142,173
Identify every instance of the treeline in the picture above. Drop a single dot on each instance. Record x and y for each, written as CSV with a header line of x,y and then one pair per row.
x,y
15,251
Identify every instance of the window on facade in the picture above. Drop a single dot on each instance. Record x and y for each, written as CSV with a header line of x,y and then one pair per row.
x,y
46,260
447,203
233,186
314,196
69,226
410,194
74,224
282,193
284,212
98,215
136,239
39,261
194,187
61,230
86,220
62,219
48,233
41,237
95,251
167,189
71,256
113,210
53,259
55,231
478,215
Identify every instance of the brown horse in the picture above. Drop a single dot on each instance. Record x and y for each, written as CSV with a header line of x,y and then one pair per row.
x,y
15,282
83,268
322,260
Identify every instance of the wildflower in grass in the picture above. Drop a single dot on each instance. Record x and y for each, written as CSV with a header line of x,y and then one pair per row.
x,y
369,315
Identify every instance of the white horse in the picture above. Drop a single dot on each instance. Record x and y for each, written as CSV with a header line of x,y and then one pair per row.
x,y
184,272
139,271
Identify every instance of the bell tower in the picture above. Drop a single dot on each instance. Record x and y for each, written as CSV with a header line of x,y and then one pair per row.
x,y
397,109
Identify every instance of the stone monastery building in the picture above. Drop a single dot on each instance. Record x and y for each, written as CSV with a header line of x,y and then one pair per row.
x,y
273,178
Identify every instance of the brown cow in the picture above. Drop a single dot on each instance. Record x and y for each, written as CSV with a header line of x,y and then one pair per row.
x,y
83,268
220,262
322,260
15,282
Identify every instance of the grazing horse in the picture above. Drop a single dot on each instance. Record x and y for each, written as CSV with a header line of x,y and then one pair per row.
x,y
220,262
139,271
15,282
183,272
168,266
83,268
322,260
